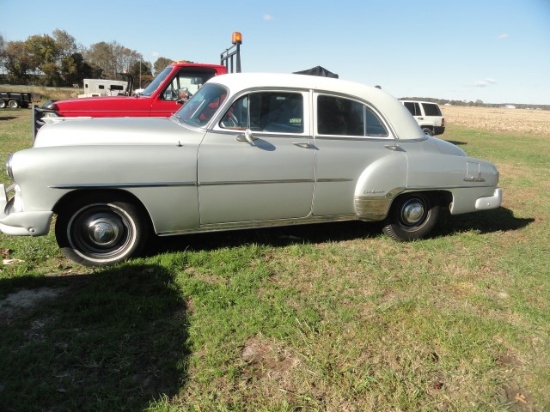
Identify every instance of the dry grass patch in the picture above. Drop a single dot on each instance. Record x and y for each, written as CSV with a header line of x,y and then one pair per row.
x,y
45,93
522,121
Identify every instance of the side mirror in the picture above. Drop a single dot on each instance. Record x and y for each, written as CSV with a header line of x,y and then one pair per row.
x,y
247,137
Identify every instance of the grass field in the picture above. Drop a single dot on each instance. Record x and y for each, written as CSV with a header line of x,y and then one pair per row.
x,y
332,317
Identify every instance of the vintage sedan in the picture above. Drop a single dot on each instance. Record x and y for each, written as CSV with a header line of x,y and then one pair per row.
x,y
247,151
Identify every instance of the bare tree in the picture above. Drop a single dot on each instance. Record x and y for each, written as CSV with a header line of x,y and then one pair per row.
x,y
161,63
65,43
111,58
101,56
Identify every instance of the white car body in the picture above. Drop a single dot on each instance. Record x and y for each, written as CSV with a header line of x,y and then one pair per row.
x,y
247,151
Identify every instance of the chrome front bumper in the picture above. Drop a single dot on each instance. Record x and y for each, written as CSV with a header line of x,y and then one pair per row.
x,y
21,223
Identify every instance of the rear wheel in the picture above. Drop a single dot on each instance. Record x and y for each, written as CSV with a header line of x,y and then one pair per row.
x,y
100,230
2,104
13,104
412,217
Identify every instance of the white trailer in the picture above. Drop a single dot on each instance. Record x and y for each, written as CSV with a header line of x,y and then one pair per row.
x,y
104,87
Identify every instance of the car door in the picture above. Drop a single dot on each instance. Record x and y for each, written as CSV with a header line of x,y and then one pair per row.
x,y
350,137
256,163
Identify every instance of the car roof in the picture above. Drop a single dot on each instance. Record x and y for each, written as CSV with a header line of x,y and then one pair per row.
x,y
404,126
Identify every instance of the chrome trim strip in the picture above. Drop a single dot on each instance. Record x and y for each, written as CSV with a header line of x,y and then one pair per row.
x,y
254,182
122,185
219,227
355,139
335,180
436,188
191,184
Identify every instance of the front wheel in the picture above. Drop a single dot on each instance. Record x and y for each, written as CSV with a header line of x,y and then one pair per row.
x,y
97,230
13,104
412,217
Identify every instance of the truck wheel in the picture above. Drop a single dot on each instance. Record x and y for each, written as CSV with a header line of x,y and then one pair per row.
x,y
100,230
428,131
2,104
412,216
13,104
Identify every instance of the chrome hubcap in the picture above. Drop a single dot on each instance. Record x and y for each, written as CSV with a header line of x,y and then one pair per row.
x,y
412,212
103,230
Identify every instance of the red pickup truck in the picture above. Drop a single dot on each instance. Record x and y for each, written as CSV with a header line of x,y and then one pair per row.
x,y
163,97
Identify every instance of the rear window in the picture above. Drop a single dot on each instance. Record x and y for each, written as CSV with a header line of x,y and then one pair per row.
x,y
431,109
345,117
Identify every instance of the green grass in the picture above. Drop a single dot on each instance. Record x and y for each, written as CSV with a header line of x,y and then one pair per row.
x,y
331,317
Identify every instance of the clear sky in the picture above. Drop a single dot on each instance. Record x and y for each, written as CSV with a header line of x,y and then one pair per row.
x,y
497,51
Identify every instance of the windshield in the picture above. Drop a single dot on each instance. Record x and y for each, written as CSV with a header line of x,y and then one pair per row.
x,y
201,107
156,82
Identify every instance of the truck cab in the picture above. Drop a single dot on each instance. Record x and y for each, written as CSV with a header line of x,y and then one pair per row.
x,y
162,98
168,91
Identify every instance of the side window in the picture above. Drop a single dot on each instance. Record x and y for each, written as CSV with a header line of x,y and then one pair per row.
x,y
237,117
345,117
277,112
186,83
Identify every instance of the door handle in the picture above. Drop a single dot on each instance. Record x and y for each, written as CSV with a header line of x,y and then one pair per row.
x,y
394,147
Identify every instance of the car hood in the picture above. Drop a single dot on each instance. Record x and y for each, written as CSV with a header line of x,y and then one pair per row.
x,y
111,131
93,101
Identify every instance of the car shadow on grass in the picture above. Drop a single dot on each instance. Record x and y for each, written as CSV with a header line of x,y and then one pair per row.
x,y
501,219
112,340
275,237
489,221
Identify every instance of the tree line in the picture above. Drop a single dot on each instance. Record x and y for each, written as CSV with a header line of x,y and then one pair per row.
x,y
56,60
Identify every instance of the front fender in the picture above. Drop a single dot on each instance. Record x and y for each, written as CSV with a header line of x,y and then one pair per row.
x,y
162,177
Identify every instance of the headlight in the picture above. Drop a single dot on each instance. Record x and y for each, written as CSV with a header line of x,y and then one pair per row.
x,y
9,169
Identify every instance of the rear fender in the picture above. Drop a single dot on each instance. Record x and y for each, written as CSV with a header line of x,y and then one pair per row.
x,y
378,185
